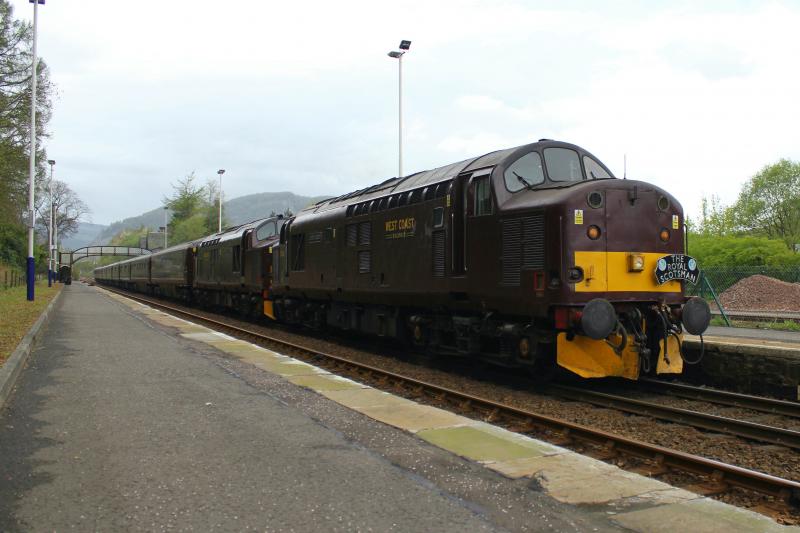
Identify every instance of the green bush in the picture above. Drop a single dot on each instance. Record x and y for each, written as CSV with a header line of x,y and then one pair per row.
x,y
713,251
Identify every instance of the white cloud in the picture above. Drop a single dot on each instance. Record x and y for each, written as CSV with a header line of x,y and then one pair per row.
x,y
301,96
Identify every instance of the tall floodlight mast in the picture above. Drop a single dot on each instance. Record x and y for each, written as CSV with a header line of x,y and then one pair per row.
x,y
404,47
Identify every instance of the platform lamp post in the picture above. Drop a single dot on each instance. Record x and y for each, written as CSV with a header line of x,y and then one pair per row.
x,y
56,255
52,163
220,172
31,265
404,47
166,210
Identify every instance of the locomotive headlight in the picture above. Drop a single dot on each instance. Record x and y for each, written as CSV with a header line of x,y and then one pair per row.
x,y
664,235
635,262
593,232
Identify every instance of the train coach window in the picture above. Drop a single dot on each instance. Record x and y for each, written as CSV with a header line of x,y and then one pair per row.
x,y
593,169
524,172
414,196
441,189
563,164
265,231
382,204
483,197
392,202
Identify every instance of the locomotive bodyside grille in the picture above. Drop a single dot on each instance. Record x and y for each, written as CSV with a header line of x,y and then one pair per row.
x,y
352,234
438,254
522,247
364,234
533,242
364,261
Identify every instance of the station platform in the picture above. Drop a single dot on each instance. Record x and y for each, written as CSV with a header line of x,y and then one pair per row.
x,y
127,418
790,339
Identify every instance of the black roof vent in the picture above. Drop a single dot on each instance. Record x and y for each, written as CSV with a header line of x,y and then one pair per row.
x,y
541,140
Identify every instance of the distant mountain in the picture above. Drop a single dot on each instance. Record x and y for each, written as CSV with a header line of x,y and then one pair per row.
x,y
236,211
86,234
254,206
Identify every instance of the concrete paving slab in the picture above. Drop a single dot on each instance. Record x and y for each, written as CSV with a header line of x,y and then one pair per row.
x,y
659,497
288,369
576,479
481,445
517,468
325,382
204,336
698,516
193,328
413,417
365,397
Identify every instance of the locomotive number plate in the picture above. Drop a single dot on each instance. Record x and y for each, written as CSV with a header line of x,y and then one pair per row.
x,y
676,266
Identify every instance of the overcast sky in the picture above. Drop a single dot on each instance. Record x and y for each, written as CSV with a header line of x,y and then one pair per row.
x,y
301,96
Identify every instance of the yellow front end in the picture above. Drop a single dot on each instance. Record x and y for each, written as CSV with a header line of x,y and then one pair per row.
x,y
617,272
598,359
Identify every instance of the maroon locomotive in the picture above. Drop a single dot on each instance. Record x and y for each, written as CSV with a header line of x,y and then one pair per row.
x,y
533,256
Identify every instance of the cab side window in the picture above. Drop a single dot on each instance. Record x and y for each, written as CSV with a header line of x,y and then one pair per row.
x,y
483,197
265,231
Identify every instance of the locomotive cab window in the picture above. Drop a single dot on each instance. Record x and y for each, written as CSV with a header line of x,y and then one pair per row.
x,y
593,169
526,171
563,164
483,196
265,231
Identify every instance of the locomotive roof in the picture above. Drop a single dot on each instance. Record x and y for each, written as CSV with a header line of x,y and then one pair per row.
x,y
230,233
436,175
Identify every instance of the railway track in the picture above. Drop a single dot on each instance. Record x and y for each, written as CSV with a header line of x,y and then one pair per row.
x,y
710,422
657,460
731,399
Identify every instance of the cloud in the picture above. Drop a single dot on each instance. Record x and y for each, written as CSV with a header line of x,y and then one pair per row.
x,y
302,96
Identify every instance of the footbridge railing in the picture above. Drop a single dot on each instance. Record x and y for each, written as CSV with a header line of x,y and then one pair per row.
x,y
69,258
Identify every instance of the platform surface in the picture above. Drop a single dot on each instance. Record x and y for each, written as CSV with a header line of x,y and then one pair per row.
x,y
127,419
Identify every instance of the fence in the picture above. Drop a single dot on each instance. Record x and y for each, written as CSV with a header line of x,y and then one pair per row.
x,y
762,299
721,278
11,277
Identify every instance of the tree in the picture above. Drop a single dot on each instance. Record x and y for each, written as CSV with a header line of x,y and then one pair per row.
x,y
713,250
16,39
769,203
69,210
187,198
194,210
716,219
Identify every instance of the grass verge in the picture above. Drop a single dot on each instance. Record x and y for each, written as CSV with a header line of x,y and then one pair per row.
x,y
17,314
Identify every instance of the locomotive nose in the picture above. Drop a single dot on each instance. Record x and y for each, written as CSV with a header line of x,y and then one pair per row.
x,y
598,319
696,315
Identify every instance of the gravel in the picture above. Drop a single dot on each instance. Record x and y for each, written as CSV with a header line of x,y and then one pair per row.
x,y
762,293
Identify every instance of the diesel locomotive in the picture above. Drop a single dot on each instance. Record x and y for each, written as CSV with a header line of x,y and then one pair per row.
x,y
534,257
